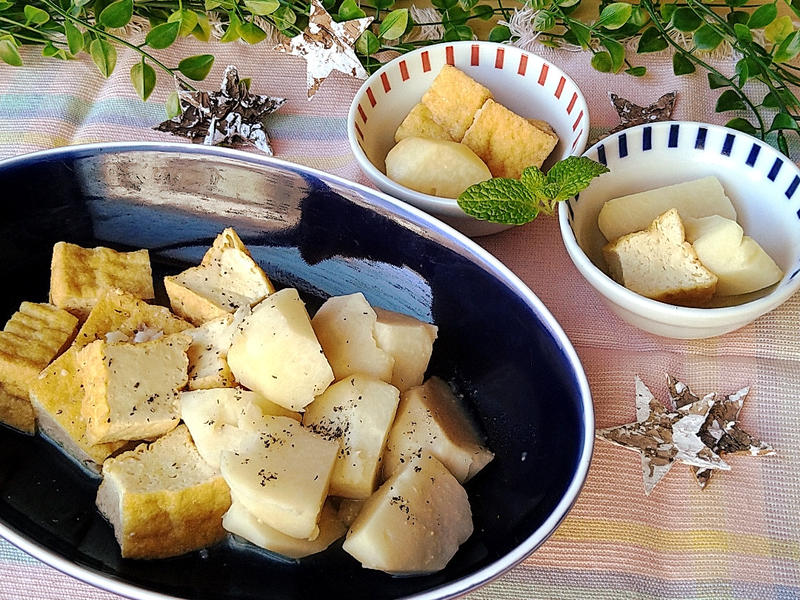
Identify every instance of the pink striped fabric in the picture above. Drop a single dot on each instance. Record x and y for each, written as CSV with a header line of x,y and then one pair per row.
x,y
740,538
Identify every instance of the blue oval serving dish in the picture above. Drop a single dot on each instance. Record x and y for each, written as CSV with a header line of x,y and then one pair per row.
x,y
498,345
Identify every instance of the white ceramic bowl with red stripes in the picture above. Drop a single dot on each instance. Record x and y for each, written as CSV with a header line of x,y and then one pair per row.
x,y
522,81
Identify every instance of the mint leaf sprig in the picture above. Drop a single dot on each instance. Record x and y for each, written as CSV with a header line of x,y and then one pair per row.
x,y
519,201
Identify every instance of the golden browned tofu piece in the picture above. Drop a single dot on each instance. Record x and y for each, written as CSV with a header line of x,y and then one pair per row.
x,y
34,336
453,99
419,123
228,278
16,412
122,317
57,397
506,142
80,276
131,390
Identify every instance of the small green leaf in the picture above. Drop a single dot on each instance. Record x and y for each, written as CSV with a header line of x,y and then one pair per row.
x,y
788,48
617,53
483,12
162,36
707,38
543,21
685,19
639,17
173,105
454,16
763,16
729,100
651,41
187,20
34,15
284,17
533,178
601,61
783,121
637,71
262,7
582,33
74,37
615,15
773,100
716,81
499,200
117,14
49,50
667,10
210,5
252,33
367,43
783,145
682,65
742,33
232,32
499,33
737,16
568,4
196,67
350,10
104,56
394,24
458,33
571,176
741,125
735,3
5,5
143,78
742,71
779,29
203,29
9,53
384,4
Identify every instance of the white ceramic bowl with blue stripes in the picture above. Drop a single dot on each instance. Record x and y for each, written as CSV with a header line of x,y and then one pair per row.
x,y
762,183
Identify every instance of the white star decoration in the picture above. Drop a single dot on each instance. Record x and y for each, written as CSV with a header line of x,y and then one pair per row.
x,y
327,46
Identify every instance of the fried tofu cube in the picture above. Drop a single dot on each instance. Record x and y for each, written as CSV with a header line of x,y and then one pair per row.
x,y
419,123
122,317
453,99
16,412
163,499
227,279
34,336
132,389
506,142
80,276
57,398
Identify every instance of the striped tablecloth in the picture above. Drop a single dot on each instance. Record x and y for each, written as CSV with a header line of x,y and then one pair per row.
x,y
740,538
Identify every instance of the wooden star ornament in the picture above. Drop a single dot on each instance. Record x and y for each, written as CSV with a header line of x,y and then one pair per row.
x,y
664,437
230,116
327,46
721,431
631,114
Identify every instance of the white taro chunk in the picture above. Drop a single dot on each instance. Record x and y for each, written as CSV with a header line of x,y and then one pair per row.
x,y
409,342
218,418
431,419
276,353
357,413
345,326
414,523
240,521
281,475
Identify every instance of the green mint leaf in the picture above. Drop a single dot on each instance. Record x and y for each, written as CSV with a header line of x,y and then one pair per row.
x,y
569,177
533,179
500,200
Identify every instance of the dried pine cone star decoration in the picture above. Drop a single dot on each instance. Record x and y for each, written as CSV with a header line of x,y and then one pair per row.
x,y
230,116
